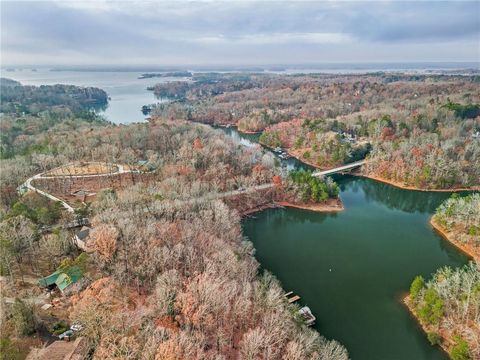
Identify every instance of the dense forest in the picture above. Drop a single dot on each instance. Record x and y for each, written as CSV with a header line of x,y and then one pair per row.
x,y
170,274
448,305
19,99
28,111
167,250
193,290
419,131
459,216
307,187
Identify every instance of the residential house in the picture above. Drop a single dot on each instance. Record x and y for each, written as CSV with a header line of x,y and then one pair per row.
x,y
82,239
62,350
82,194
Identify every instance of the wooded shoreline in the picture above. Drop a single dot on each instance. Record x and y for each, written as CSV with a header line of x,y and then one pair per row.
x,y
379,178
445,344
413,188
465,248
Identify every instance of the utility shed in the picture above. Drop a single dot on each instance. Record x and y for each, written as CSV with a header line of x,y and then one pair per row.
x,y
82,194
62,278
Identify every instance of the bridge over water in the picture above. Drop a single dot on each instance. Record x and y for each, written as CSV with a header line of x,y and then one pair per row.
x,y
340,169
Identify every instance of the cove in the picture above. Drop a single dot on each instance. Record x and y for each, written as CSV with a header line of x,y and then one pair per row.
x,y
127,92
352,268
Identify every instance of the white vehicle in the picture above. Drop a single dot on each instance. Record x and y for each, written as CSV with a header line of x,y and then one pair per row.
x,y
76,327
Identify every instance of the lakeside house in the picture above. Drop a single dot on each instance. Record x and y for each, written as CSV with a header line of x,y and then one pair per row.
x,y
82,239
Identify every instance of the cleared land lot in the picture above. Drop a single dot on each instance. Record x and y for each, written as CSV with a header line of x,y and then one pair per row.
x,y
83,169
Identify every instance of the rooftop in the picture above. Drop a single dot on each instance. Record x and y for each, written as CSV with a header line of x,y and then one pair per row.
x,y
83,233
61,350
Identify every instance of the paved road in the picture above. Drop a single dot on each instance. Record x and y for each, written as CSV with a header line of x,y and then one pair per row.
x,y
28,183
122,170
235,192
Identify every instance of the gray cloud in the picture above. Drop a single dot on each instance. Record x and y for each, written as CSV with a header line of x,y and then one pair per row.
x,y
238,32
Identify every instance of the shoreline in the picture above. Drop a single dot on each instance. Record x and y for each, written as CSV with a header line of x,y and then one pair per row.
x,y
396,184
256,209
382,180
330,206
413,188
386,181
297,156
248,132
465,248
446,343
320,207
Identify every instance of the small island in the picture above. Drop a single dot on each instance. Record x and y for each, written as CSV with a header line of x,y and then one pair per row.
x,y
166,74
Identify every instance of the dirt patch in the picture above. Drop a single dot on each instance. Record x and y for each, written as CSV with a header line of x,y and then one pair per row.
x,y
107,291
83,169
84,189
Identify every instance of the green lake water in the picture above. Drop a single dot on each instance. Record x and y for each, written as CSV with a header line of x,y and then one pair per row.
x,y
352,268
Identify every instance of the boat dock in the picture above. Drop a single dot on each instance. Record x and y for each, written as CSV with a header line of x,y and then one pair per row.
x,y
291,297
305,312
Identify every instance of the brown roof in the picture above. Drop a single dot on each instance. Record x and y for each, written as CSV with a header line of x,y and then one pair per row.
x,y
61,350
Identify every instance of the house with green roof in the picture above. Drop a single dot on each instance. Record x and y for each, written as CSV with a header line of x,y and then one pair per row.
x,y
62,278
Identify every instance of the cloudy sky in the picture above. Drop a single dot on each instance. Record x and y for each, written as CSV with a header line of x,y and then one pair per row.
x,y
237,33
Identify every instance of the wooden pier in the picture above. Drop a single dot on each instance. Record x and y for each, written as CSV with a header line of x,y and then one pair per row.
x,y
291,297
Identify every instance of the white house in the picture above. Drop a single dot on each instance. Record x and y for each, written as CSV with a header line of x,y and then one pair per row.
x,y
82,239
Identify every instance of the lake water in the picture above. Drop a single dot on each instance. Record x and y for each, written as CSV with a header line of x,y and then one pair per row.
x,y
353,268
350,268
127,93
